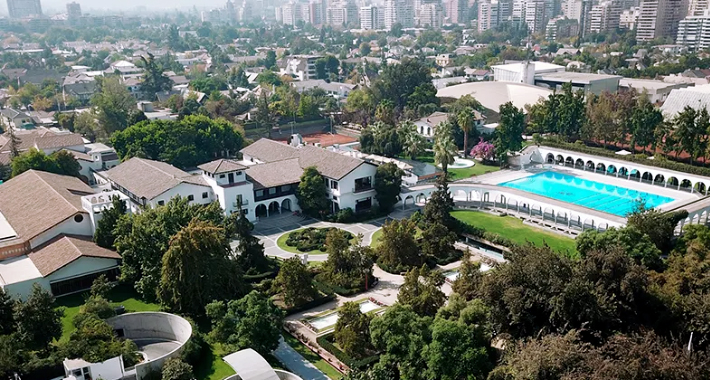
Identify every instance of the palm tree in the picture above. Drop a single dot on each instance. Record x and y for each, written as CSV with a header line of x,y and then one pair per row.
x,y
444,152
466,118
412,141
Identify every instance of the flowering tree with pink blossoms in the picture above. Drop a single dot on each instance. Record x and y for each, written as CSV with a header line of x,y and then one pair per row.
x,y
484,150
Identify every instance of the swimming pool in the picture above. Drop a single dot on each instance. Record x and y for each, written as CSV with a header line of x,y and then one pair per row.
x,y
598,196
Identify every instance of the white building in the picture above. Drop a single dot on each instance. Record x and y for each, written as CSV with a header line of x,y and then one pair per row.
x,y
488,14
604,17
523,72
694,32
369,17
301,67
628,18
431,15
264,181
572,9
399,11
45,236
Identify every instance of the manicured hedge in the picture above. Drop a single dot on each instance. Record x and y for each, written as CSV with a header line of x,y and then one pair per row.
x,y
311,238
662,163
325,341
311,304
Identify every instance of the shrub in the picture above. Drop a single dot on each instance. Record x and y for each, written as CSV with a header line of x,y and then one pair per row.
x,y
326,342
311,239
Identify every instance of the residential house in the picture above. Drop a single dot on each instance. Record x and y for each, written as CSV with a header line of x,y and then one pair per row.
x,y
16,119
46,236
301,67
443,60
264,181
426,126
336,89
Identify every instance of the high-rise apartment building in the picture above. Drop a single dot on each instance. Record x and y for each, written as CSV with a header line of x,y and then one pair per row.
x,y
572,9
399,11
604,17
24,8
431,15
659,18
290,13
369,17
316,13
698,7
73,11
628,18
536,15
487,14
694,32
456,11
342,13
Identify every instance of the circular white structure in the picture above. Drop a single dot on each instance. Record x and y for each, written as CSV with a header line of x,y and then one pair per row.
x,y
159,336
461,163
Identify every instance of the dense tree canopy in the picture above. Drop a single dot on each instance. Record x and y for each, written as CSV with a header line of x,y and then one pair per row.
x,y
104,235
311,193
184,143
60,162
388,185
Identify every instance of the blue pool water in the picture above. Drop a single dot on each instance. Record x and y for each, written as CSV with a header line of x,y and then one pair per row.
x,y
598,196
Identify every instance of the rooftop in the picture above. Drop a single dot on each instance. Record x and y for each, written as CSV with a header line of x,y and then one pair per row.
x,y
539,66
63,250
494,94
36,201
580,78
148,178
275,173
697,97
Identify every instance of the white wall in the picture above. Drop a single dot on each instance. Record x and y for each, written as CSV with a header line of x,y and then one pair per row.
x,y
346,197
69,227
184,190
82,267
21,290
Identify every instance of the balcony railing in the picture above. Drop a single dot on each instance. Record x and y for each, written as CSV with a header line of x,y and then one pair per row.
x,y
360,189
244,203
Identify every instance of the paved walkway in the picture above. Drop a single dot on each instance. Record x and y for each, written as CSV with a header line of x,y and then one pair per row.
x,y
297,363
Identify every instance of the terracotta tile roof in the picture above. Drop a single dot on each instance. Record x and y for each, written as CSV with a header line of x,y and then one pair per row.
x,y
275,173
148,178
269,150
222,166
36,201
63,250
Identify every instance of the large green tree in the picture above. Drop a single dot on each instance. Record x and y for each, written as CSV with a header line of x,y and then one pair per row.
x,y
347,266
352,330
250,322
399,250
104,235
312,194
113,104
295,283
468,283
197,269
388,185
142,239
154,81
509,134
401,335
184,143
38,320
60,162
421,290
249,249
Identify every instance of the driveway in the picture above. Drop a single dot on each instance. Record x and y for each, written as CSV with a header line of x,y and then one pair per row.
x,y
297,363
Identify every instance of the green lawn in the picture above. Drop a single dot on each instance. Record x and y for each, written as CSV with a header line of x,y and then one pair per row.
x,y
212,367
120,295
456,174
312,357
515,230
376,238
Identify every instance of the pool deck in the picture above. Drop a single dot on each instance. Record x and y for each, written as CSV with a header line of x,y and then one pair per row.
x,y
679,196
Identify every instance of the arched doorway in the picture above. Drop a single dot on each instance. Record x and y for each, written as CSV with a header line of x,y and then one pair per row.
x,y
579,164
550,158
286,205
274,208
261,211
590,165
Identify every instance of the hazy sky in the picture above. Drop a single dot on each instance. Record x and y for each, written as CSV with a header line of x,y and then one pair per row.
x,y
87,5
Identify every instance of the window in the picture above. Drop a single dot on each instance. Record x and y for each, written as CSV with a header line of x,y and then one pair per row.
x,y
161,203
334,185
285,188
190,197
272,191
78,218
259,193
204,195
221,176
335,198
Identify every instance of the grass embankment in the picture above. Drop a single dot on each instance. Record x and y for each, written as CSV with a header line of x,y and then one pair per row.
x,y
514,229
456,174
312,357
